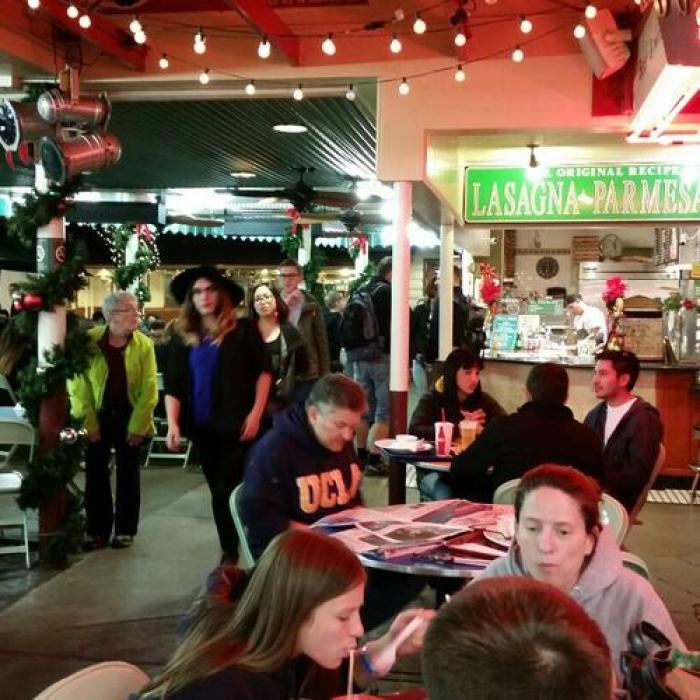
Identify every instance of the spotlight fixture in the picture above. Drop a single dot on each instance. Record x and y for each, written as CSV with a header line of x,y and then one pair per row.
x,y
204,77
264,48
395,45
591,11
135,25
518,54
33,4
419,26
579,31
460,38
90,110
140,37
164,63
328,45
85,22
351,94
84,153
525,25
298,93
200,42
404,87
72,11
460,75
250,88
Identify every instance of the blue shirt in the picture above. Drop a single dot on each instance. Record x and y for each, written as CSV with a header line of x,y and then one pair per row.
x,y
203,361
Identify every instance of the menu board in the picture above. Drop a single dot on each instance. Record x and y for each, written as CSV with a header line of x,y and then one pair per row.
x,y
644,337
546,306
504,332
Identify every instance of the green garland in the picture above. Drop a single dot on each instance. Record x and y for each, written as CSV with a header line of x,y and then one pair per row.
x,y
145,259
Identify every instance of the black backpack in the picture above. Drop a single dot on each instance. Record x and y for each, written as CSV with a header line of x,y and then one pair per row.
x,y
360,332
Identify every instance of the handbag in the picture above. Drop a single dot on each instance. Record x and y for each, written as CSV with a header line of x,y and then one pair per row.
x,y
653,670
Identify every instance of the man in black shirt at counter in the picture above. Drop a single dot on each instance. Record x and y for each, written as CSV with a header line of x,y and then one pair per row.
x,y
542,430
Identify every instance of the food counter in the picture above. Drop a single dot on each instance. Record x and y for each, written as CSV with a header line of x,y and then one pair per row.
x,y
671,388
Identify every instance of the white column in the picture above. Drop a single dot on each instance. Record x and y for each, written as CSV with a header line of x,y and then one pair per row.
x,y
132,246
447,246
304,253
400,283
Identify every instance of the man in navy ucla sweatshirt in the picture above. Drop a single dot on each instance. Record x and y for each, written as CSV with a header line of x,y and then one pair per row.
x,y
306,468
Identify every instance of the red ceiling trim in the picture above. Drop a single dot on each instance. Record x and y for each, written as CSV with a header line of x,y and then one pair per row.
x,y
266,21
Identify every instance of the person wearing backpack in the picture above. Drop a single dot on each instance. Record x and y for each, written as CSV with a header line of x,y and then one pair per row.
x,y
367,340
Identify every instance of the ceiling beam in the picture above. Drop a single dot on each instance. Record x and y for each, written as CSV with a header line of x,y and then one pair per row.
x,y
102,33
265,20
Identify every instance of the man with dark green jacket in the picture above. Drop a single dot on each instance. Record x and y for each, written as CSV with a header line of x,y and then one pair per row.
x,y
115,398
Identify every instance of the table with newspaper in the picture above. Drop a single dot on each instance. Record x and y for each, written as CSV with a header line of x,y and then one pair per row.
x,y
452,538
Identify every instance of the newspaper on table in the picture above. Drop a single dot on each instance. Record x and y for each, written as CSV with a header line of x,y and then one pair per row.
x,y
414,529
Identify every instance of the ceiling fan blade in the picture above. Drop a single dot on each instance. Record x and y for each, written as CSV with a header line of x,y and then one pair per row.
x,y
319,218
342,200
260,193
193,221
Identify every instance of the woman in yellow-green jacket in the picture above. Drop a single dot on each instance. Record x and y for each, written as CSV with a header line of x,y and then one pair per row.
x,y
115,398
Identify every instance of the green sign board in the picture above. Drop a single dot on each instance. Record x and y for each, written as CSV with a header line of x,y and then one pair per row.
x,y
546,306
580,193
504,332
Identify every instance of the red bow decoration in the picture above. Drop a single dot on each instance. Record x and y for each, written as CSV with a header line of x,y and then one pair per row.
x,y
295,214
143,232
360,243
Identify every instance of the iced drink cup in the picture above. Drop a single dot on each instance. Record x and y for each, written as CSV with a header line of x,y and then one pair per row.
x,y
467,432
443,438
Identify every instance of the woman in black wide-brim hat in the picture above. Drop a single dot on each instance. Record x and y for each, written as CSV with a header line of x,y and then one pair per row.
x,y
216,385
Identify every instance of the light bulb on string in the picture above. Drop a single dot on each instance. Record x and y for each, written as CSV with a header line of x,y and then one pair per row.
x,y
395,45
460,75
250,88
525,25
460,38
351,94
591,11
518,54
419,26
72,11
164,63
200,42
135,25
264,48
140,37
404,87
579,31
298,93
85,22
33,4
204,77
328,45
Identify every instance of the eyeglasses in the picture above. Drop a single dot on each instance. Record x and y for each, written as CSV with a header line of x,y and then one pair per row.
x,y
127,311
264,297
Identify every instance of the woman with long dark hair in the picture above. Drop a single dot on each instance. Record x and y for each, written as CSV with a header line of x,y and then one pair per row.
x,y
283,634
284,344
216,385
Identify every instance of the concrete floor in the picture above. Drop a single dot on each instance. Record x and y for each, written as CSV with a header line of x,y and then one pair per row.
x,y
125,604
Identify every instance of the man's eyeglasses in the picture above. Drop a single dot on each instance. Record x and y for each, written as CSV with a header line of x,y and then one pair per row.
x,y
127,311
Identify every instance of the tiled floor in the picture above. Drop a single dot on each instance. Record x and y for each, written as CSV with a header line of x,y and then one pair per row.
x,y
125,604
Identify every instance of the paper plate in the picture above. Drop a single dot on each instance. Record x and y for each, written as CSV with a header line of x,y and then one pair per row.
x,y
497,538
391,445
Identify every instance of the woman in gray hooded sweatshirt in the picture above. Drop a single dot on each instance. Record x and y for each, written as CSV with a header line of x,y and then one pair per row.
x,y
559,539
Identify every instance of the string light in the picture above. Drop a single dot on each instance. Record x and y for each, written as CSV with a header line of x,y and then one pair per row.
x,y
518,54
525,25
200,42
460,38
591,11
204,77
298,93
72,11
85,22
351,94
395,45
33,4
250,88
135,25
140,36
164,63
404,87
419,26
579,31
328,46
460,75
264,48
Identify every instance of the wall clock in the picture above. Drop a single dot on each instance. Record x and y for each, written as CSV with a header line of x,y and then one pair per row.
x,y
611,246
547,267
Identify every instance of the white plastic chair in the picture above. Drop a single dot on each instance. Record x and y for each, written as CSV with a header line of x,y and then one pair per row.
x,y
635,563
10,485
109,680
505,493
247,561
614,516
641,500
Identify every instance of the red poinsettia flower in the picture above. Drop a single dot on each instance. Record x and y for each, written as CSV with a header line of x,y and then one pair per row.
x,y
615,288
688,304
490,290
